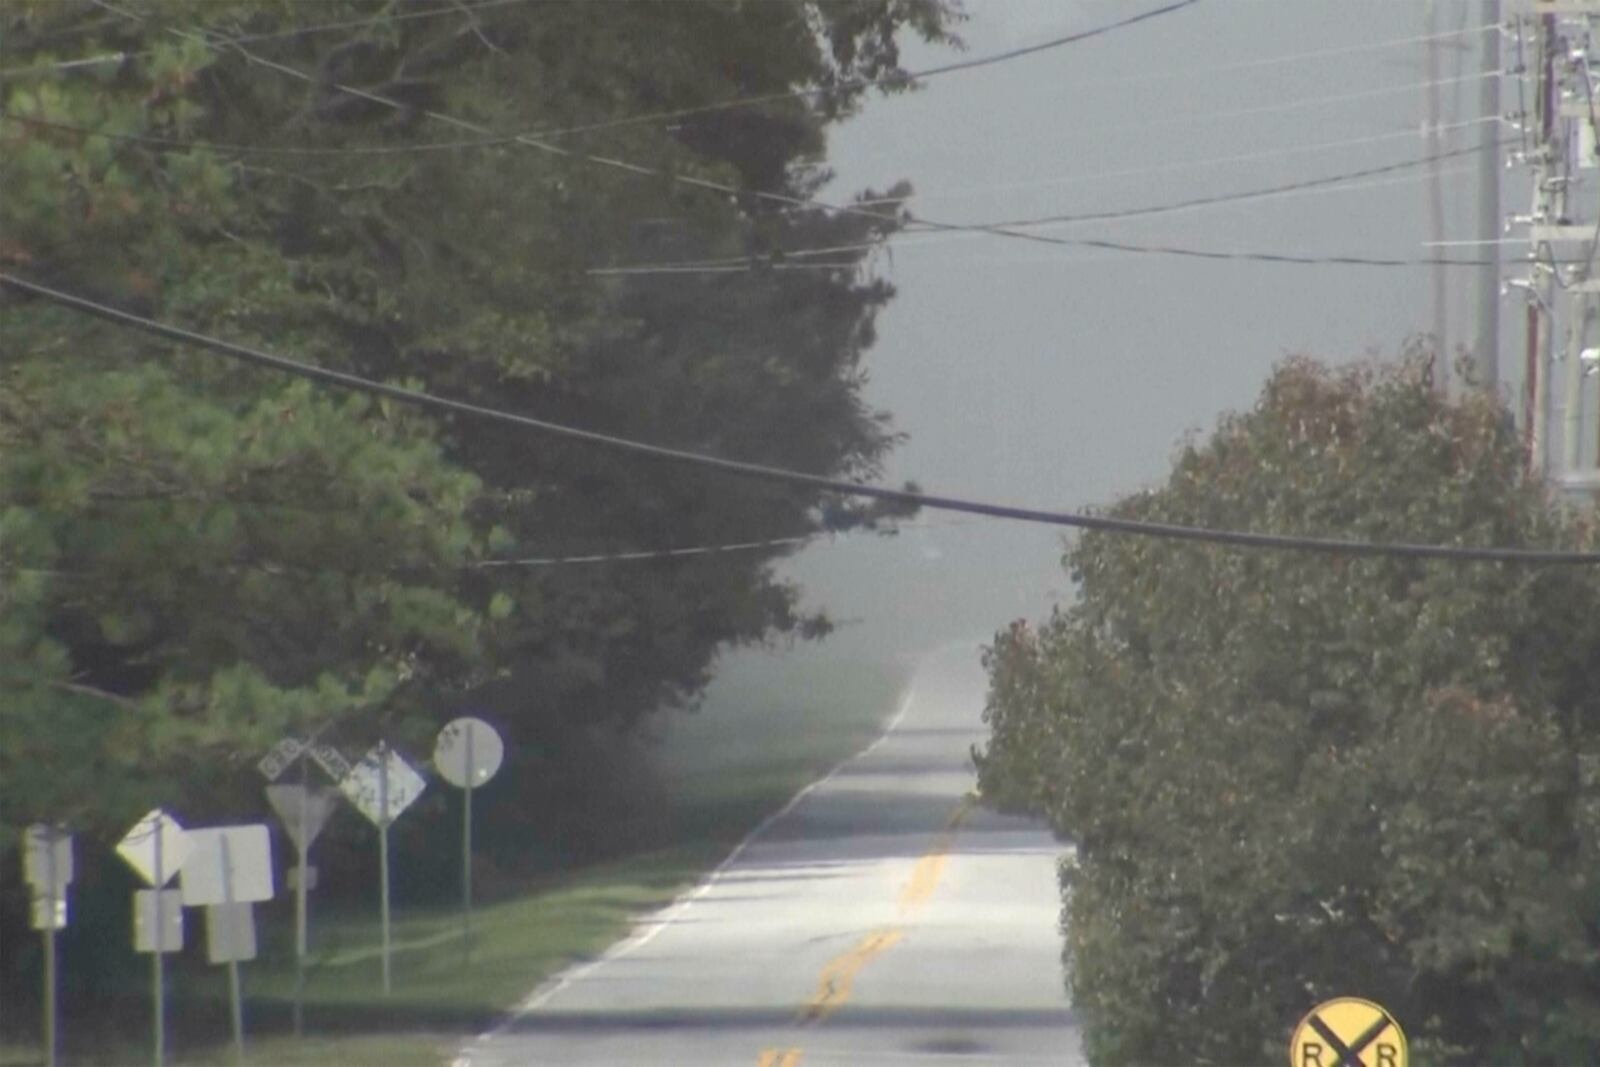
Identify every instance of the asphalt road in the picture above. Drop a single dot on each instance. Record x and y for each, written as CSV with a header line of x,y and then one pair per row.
x,y
879,919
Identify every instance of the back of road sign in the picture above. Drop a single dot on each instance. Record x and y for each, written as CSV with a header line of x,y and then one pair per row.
x,y
230,932
299,805
230,865
468,741
169,938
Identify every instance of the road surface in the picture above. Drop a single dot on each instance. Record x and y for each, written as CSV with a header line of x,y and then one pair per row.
x,y
879,919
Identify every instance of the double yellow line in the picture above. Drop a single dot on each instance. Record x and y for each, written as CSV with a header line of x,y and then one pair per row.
x,y
833,988
838,975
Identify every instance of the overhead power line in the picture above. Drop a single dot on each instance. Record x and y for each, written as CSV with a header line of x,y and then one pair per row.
x,y
457,9
724,189
1241,195
1295,58
711,550
866,83
487,138
490,140
927,224
785,476
777,259
1185,166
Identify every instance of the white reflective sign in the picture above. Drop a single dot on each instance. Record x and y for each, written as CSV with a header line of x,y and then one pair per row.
x,y
138,847
230,932
465,741
367,790
331,760
277,761
229,864
46,857
49,912
144,921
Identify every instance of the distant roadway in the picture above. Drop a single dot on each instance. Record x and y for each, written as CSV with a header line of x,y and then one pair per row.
x,y
879,919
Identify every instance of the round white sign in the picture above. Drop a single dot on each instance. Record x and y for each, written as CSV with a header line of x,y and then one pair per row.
x,y
468,749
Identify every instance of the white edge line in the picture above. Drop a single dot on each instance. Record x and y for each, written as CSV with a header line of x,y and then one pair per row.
x,y
647,929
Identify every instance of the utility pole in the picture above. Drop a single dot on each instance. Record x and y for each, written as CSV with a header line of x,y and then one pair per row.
x,y
1486,354
1441,341
1560,413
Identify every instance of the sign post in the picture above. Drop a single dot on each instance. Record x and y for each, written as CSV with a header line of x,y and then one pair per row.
x,y
231,868
304,810
47,868
157,847
467,754
382,786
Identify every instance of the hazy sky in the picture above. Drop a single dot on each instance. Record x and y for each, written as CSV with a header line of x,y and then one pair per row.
x,y
1063,377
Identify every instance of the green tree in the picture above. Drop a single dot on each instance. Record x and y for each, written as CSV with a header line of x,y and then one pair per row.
x,y
1292,776
198,558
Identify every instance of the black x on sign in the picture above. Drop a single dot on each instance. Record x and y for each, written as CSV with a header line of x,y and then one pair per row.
x,y
1348,1032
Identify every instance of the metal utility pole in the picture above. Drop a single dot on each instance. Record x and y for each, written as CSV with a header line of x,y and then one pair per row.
x,y
1545,213
1486,353
1564,236
1431,132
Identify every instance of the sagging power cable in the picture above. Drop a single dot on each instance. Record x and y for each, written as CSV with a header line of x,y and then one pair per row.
x,y
785,476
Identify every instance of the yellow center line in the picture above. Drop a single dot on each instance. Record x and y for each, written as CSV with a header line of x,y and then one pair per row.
x,y
929,870
838,975
837,978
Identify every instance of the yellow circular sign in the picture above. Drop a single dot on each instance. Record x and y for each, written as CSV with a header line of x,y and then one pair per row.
x,y
1348,1032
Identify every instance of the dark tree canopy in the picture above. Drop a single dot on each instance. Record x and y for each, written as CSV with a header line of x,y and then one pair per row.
x,y
197,558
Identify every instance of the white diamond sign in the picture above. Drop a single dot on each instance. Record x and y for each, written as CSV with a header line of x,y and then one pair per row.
x,y
382,785
156,847
230,865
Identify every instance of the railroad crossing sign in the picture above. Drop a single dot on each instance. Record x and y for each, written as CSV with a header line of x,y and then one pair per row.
x,y
275,762
285,752
1348,1032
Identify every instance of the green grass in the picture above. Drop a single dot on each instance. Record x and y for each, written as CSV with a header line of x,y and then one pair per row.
x,y
767,727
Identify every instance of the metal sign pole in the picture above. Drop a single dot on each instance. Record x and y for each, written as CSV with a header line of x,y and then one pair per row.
x,y
235,1000
466,754
157,964
466,858
50,991
383,854
50,954
300,905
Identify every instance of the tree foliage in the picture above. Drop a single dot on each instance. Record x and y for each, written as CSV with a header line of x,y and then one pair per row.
x,y
1293,776
197,559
